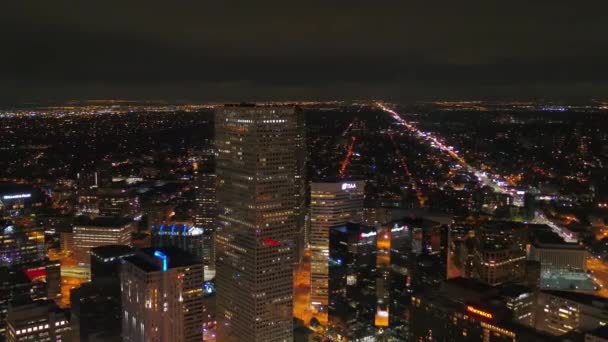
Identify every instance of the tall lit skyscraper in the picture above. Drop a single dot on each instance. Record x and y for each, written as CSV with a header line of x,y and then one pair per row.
x,y
205,216
259,170
331,204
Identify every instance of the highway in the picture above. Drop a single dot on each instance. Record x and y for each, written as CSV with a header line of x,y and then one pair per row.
x,y
435,142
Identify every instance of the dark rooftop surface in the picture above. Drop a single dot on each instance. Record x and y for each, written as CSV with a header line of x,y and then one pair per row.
x,y
549,239
353,228
504,225
101,221
583,298
145,259
109,251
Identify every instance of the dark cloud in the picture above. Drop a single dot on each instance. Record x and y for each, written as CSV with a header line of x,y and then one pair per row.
x,y
308,49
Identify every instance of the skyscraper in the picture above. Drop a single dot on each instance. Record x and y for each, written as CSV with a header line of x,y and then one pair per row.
x,y
259,185
331,204
162,296
20,245
205,216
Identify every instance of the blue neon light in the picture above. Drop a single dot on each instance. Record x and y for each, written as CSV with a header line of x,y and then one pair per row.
x,y
185,229
173,229
161,228
163,257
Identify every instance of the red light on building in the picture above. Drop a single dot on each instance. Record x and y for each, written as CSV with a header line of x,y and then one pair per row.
x,y
270,242
35,273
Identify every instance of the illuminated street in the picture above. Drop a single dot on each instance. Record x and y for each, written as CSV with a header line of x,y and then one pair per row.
x,y
599,270
301,304
72,275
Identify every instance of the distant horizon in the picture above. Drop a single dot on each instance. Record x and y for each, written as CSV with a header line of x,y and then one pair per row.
x,y
169,102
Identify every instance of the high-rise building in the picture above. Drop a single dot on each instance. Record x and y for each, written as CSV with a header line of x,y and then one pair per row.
x,y
37,321
259,170
331,204
162,296
20,245
496,264
117,202
353,281
97,232
205,216
189,238
495,253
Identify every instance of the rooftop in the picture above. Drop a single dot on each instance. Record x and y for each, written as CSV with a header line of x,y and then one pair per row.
x,y
101,221
549,239
147,260
109,251
582,298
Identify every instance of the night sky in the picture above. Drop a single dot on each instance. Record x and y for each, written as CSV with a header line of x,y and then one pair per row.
x,y
256,50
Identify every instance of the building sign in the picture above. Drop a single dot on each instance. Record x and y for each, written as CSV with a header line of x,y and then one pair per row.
x,y
396,228
16,196
348,186
366,235
479,312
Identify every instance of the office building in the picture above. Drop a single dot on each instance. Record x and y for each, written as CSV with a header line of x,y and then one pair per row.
x,y
187,237
162,296
469,310
19,198
14,284
20,245
503,233
37,321
559,312
331,204
45,277
353,281
101,231
493,252
205,216
258,167
497,264
436,317
118,203
556,255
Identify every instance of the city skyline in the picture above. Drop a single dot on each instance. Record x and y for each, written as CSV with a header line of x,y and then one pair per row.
x,y
319,171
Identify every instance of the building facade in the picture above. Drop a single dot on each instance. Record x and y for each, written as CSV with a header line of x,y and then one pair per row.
x,y
162,296
39,321
259,182
20,245
560,312
189,238
331,204
100,231
205,216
